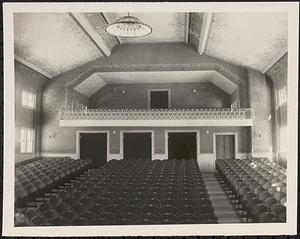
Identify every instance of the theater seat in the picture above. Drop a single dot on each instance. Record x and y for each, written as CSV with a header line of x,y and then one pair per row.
x,y
266,217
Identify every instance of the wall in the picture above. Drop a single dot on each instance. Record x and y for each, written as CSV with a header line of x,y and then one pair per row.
x,y
205,158
31,81
278,74
206,138
134,57
260,102
157,57
235,96
53,99
136,96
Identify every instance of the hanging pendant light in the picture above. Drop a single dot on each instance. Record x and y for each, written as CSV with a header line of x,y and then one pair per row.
x,y
128,26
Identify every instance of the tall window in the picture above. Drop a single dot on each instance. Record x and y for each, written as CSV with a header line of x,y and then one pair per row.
x,y
28,99
282,98
27,140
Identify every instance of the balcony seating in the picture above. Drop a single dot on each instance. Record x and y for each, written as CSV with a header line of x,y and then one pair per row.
x,y
43,174
256,187
129,192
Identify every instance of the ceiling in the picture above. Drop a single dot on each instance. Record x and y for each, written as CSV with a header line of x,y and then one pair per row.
x,y
255,40
98,80
166,27
52,41
57,42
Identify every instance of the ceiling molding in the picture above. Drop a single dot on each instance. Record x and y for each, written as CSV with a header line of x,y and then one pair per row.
x,y
90,86
207,16
273,63
108,22
144,43
187,27
223,83
32,66
89,30
98,80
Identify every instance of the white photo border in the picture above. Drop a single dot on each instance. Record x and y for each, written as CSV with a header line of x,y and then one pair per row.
x,y
288,228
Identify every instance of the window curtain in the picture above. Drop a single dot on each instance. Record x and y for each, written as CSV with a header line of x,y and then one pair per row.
x,y
225,147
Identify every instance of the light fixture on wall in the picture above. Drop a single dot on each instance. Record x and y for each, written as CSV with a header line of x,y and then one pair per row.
x,y
51,135
269,117
201,87
129,26
123,91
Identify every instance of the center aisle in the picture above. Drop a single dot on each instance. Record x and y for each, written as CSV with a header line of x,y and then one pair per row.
x,y
221,204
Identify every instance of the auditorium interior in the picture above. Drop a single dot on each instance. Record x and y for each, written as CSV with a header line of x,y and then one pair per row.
x,y
185,125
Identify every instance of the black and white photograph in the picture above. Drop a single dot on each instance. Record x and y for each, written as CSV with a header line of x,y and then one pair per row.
x,y
150,118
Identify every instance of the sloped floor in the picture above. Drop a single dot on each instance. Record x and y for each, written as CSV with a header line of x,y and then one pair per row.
x,y
221,204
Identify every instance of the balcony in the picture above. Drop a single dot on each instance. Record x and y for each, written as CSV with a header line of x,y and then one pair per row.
x,y
156,117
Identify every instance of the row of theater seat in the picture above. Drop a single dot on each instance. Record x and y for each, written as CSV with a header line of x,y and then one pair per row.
x,y
43,174
257,187
128,192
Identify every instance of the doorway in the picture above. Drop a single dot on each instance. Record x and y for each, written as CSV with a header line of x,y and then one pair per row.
x,y
182,145
137,145
93,146
159,99
225,146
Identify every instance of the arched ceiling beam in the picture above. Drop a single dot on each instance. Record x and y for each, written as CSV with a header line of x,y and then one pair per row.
x,y
89,30
187,20
207,16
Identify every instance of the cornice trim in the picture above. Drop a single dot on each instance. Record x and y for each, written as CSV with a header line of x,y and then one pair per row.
x,y
33,67
269,66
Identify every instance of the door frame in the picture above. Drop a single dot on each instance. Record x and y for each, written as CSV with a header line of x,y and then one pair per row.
x,y
149,96
235,134
136,131
182,131
78,132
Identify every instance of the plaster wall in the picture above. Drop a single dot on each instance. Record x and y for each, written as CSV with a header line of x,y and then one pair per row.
x,y
260,102
31,81
182,96
134,57
278,74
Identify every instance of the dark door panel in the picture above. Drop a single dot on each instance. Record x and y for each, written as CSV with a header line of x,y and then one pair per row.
x,y
94,146
137,146
182,146
159,99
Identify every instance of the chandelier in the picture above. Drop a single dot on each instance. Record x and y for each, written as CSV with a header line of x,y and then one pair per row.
x,y
129,26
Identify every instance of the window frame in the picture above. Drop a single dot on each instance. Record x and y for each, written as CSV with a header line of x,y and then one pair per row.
x,y
282,96
25,100
26,130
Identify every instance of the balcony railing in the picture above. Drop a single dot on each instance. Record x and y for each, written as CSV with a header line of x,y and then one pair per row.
x,y
156,114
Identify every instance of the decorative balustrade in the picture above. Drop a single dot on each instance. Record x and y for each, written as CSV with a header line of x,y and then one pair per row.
x,y
156,114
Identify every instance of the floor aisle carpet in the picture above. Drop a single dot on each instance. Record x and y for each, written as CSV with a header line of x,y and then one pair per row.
x,y
221,204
